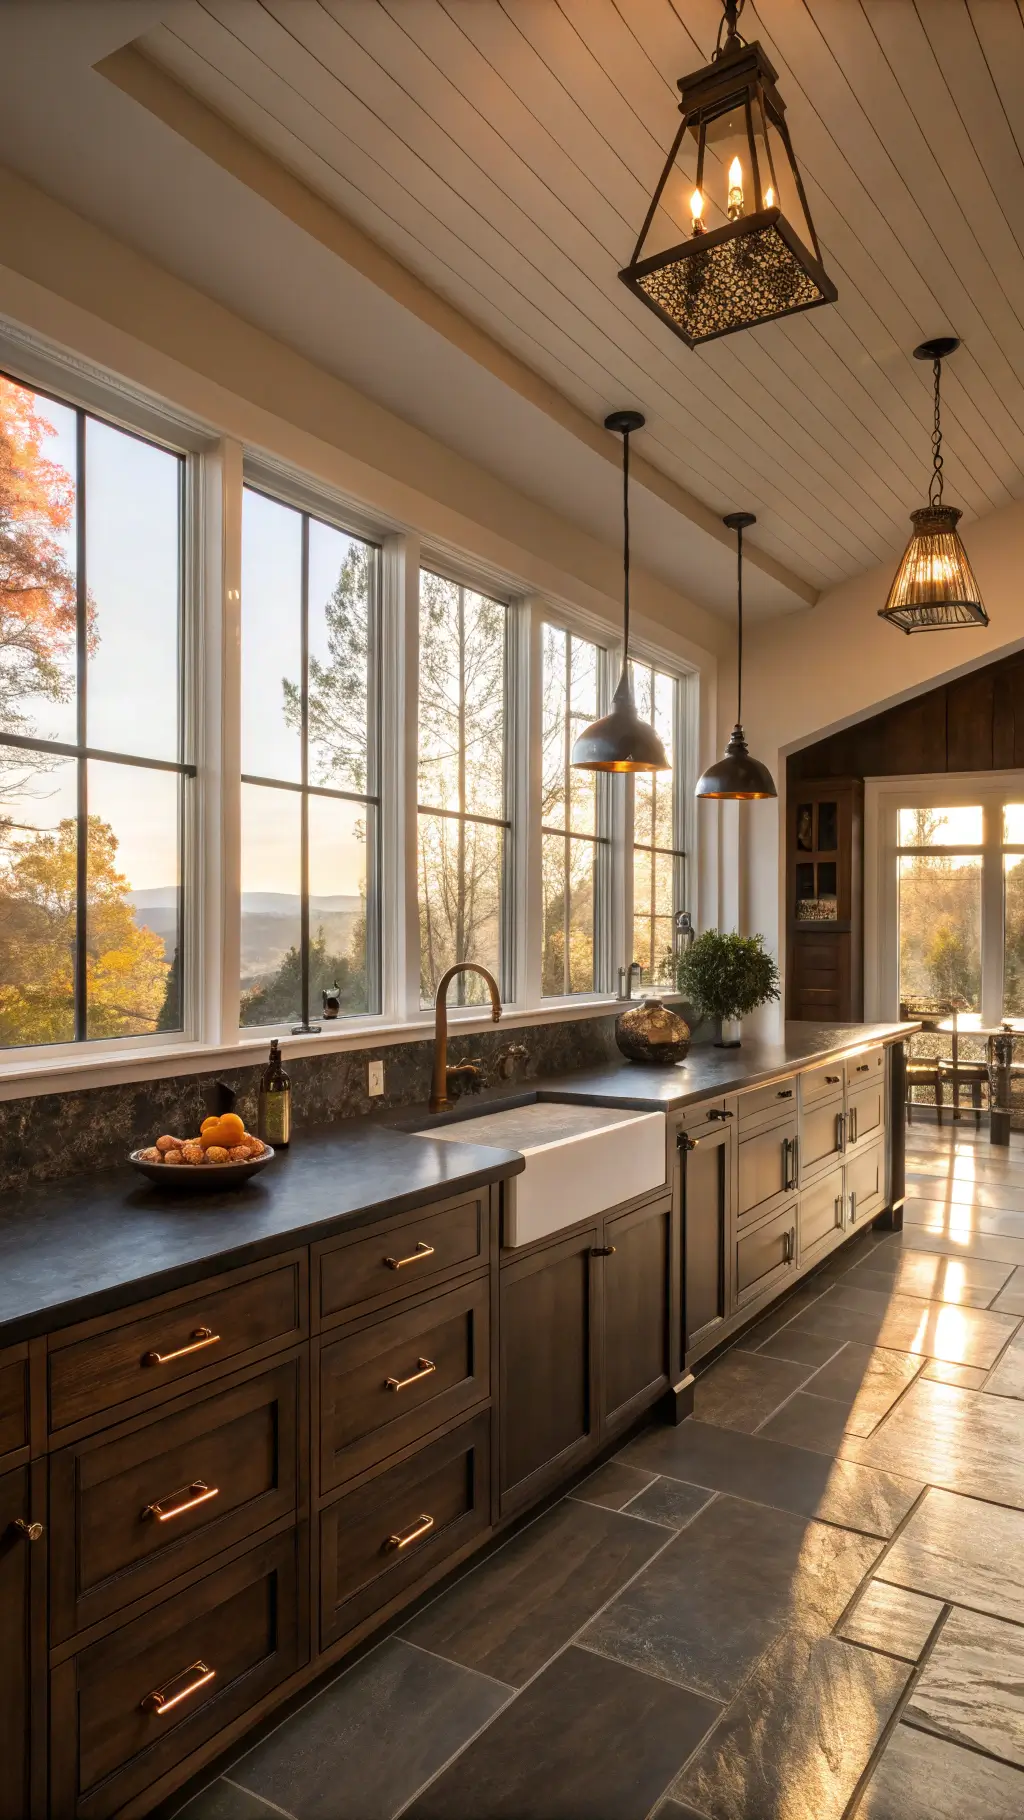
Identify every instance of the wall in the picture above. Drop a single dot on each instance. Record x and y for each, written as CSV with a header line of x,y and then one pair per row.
x,y
840,663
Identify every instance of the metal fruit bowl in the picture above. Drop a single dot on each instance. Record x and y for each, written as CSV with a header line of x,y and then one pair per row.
x,y
200,1177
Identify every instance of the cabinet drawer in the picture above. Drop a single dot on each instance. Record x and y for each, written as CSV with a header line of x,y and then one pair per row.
x,y
13,1398
767,1168
189,1336
704,1116
865,1183
399,1258
766,1255
132,1508
380,1539
865,1113
388,1386
820,1133
206,1656
760,1105
824,1083
822,1216
867,1065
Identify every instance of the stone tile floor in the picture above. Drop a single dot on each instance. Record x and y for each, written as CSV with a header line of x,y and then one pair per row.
x,y
806,1603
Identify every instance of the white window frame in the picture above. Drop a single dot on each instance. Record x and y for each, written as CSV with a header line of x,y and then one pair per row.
x,y
883,798
217,469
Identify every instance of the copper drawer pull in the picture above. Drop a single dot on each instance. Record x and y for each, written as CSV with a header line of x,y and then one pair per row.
x,y
426,1366
161,1701
423,1250
30,1531
832,1080
196,1493
403,1537
602,1251
198,1338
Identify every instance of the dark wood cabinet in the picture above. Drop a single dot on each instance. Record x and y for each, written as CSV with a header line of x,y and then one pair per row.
x,y
824,900
636,1297
22,1644
548,1350
705,1172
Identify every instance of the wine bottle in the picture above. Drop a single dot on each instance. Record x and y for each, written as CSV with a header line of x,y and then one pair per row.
x,y
274,1117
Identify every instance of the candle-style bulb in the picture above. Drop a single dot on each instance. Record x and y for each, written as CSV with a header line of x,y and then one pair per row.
x,y
769,198
735,190
696,211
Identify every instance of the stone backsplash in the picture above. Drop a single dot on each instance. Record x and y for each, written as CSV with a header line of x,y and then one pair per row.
x,y
60,1134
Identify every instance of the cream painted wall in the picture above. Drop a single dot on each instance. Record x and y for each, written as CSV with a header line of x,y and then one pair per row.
x,y
839,663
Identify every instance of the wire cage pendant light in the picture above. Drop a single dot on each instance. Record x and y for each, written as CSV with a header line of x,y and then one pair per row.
x,y
935,586
620,740
737,777
762,259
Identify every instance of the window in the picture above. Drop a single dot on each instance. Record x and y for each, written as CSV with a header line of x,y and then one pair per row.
x,y
463,821
94,770
310,805
657,852
574,839
940,905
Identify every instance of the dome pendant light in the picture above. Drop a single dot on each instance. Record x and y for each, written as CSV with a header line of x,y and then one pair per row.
x,y
737,777
620,740
935,586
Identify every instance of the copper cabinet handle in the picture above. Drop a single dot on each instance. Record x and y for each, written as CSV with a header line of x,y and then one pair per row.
x,y
198,1338
602,1251
403,1537
423,1250
717,1113
426,1366
30,1531
161,1700
196,1493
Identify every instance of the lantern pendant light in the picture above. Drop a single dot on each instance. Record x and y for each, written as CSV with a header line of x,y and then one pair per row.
x,y
737,777
935,585
763,260
620,740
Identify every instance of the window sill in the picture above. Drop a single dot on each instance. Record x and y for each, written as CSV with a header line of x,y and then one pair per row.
x,y
21,1079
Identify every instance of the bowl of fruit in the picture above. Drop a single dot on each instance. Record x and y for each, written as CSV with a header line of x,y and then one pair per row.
x,y
224,1153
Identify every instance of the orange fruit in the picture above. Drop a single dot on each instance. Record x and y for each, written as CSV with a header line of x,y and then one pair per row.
x,y
232,1129
208,1124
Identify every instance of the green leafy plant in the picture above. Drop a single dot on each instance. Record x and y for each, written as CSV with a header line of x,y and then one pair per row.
x,y
727,976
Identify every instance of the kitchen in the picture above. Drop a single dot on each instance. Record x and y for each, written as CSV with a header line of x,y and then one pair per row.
x,y
510,965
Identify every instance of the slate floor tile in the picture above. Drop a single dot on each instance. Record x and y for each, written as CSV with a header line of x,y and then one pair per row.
x,y
997,1197
742,1388
922,1777
963,1336
963,1550
952,1238
795,1742
612,1485
1008,1378
891,1619
866,1381
1010,1299
808,1421
724,1589
588,1740
669,1502
802,1348
787,1478
363,1746
224,1801
933,1276
969,1377
971,1688
964,1440
963,1218
510,1615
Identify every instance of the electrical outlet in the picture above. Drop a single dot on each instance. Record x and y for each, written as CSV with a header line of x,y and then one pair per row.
x,y
375,1082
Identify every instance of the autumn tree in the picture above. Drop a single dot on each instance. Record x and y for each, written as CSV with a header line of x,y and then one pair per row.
x,y
126,971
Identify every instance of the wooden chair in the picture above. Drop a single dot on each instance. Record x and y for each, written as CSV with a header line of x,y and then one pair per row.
x,y
924,1070
973,1075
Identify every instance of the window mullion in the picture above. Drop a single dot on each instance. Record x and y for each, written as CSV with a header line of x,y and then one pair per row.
x,y
992,938
400,931
218,720
82,729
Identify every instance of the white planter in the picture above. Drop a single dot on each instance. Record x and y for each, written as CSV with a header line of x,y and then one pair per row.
x,y
730,1033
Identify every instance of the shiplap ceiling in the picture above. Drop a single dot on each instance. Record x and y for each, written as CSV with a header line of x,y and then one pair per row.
x,y
505,151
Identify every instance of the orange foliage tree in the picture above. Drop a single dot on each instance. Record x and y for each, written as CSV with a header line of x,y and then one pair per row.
x,y
37,583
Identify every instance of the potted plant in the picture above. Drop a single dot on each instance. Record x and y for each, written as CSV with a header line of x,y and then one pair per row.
x,y
727,977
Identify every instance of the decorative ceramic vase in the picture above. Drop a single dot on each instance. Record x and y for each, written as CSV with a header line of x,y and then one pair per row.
x,y
729,1037
651,1032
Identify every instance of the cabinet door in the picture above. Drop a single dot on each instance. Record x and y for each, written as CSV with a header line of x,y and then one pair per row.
x,y
767,1169
636,1310
865,1183
19,1558
822,1216
821,1134
548,1353
865,1113
766,1255
706,1188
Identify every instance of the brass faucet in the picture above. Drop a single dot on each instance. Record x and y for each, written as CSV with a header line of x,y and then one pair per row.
x,y
439,1101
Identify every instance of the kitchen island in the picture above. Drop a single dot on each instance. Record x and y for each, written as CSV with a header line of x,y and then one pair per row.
x,y
240,1432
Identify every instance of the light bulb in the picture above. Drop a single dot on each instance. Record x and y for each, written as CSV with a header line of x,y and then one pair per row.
x,y
696,211
769,198
735,190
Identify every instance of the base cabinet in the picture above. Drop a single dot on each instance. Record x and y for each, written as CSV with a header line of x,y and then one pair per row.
x,y
766,1254
636,1312
18,1556
548,1351
822,1216
705,1194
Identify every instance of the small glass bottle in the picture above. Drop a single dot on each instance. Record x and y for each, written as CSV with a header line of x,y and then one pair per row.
x,y
274,1116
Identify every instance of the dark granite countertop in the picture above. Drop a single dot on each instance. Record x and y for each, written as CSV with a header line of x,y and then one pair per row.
x,y
89,1243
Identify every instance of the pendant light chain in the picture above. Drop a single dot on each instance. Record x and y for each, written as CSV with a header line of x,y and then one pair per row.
x,y
739,629
625,549
731,10
935,487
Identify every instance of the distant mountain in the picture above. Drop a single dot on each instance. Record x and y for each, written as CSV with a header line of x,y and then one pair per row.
x,y
157,909
270,924
286,903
